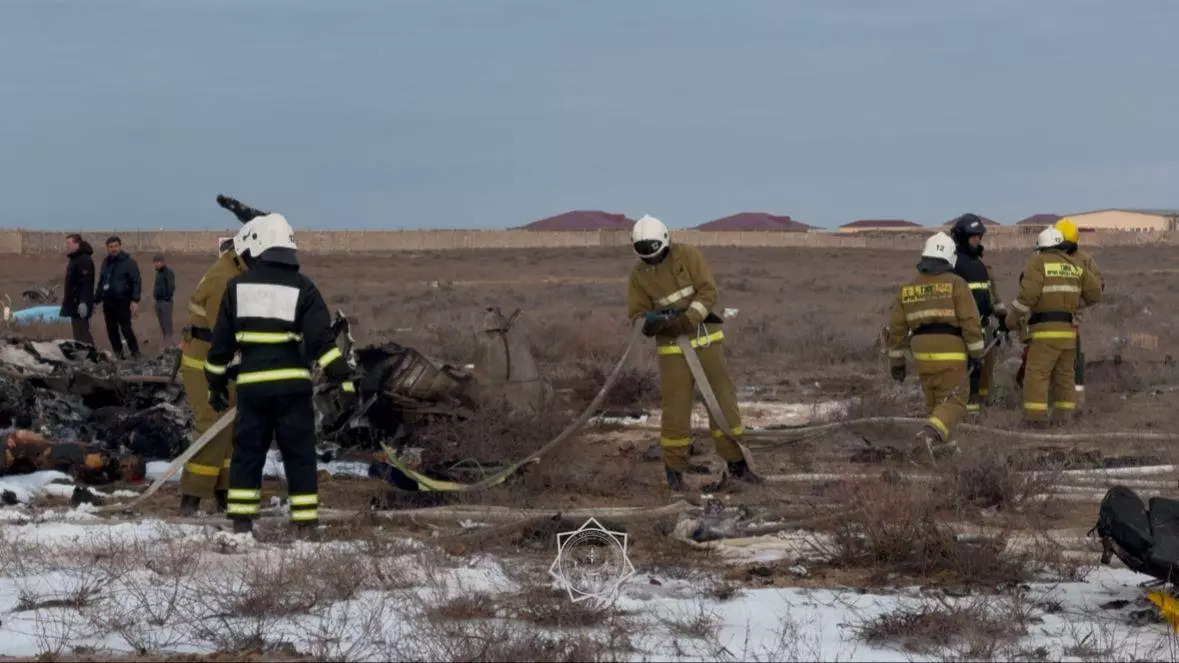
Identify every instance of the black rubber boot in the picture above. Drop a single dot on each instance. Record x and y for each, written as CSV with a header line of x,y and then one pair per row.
x,y
189,505
740,470
675,480
243,525
222,498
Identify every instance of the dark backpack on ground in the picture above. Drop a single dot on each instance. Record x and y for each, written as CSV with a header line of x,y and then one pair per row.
x,y
1145,539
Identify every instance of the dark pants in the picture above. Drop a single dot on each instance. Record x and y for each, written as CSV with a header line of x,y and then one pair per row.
x,y
290,420
118,319
82,330
164,316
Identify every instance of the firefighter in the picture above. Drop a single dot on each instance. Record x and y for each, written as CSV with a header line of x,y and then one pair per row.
x,y
937,317
272,314
967,232
672,287
1054,285
206,476
1071,235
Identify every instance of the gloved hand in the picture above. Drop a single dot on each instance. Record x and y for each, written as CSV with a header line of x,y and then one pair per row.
x,y
83,311
898,373
1002,332
1010,322
219,401
973,365
681,325
655,326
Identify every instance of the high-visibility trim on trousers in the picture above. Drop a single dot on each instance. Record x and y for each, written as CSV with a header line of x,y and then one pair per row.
x,y
244,494
1053,334
243,509
973,407
1064,405
203,470
695,343
939,356
267,337
720,434
675,441
1038,407
941,428
274,375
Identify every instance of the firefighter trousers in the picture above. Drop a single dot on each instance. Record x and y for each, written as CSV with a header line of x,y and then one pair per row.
x,y
946,386
980,382
291,420
208,471
676,388
1048,381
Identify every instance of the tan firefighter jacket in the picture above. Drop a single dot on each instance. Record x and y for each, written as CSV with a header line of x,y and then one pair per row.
x,y
205,304
935,315
682,281
1053,287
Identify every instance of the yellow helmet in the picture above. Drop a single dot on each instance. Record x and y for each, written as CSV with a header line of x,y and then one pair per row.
x,y
1068,229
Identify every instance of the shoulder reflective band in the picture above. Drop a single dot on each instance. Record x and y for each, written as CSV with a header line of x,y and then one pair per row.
x,y
274,375
267,337
329,356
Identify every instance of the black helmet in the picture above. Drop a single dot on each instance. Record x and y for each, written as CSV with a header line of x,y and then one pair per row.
x,y
966,226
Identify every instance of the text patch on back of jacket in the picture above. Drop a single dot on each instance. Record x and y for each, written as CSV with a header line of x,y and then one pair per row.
x,y
911,294
1063,270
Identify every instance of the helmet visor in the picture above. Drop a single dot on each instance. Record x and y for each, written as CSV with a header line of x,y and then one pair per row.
x,y
648,247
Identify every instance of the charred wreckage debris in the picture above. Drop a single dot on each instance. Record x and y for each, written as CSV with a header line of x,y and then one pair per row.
x,y
71,407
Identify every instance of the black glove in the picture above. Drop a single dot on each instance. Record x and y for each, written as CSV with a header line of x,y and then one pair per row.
x,y
219,401
898,373
656,325
681,325
243,212
973,365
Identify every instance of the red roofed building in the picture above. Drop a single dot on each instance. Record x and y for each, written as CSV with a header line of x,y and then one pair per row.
x,y
755,221
873,225
583,220
1038,222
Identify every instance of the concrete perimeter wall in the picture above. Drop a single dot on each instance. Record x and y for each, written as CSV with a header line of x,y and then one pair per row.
x,y
30,242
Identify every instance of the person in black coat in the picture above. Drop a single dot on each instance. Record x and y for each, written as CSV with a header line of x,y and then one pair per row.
x,y
77,302
162,292
118,291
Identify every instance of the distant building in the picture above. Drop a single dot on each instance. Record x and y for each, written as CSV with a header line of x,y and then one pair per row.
x,y
582,220
756,221
1037,222
876,225
1130,220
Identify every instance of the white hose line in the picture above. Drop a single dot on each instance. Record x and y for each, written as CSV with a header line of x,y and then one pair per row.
x,y
753,435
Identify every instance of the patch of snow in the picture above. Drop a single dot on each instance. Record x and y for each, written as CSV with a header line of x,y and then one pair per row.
x,y
27,487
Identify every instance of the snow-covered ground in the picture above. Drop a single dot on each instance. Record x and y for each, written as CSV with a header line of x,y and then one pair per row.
x,y
154,588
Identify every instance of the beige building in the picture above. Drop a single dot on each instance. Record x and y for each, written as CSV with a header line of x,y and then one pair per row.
x,y
1132,220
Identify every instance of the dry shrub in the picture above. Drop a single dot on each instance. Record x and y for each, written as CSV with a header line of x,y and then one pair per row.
x,y
974,628
896,529
985,476
637,386
495,433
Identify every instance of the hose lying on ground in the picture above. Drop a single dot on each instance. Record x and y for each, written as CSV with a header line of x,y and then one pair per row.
x,y
757,435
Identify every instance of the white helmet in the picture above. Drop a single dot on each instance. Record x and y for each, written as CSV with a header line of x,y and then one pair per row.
x,y
1049,238
940,246
270,231
241,239
649,237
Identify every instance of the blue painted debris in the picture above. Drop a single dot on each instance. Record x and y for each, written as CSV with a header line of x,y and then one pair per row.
x,y
38,314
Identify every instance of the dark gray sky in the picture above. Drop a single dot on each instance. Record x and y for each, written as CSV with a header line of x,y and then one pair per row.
x,y
493,113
